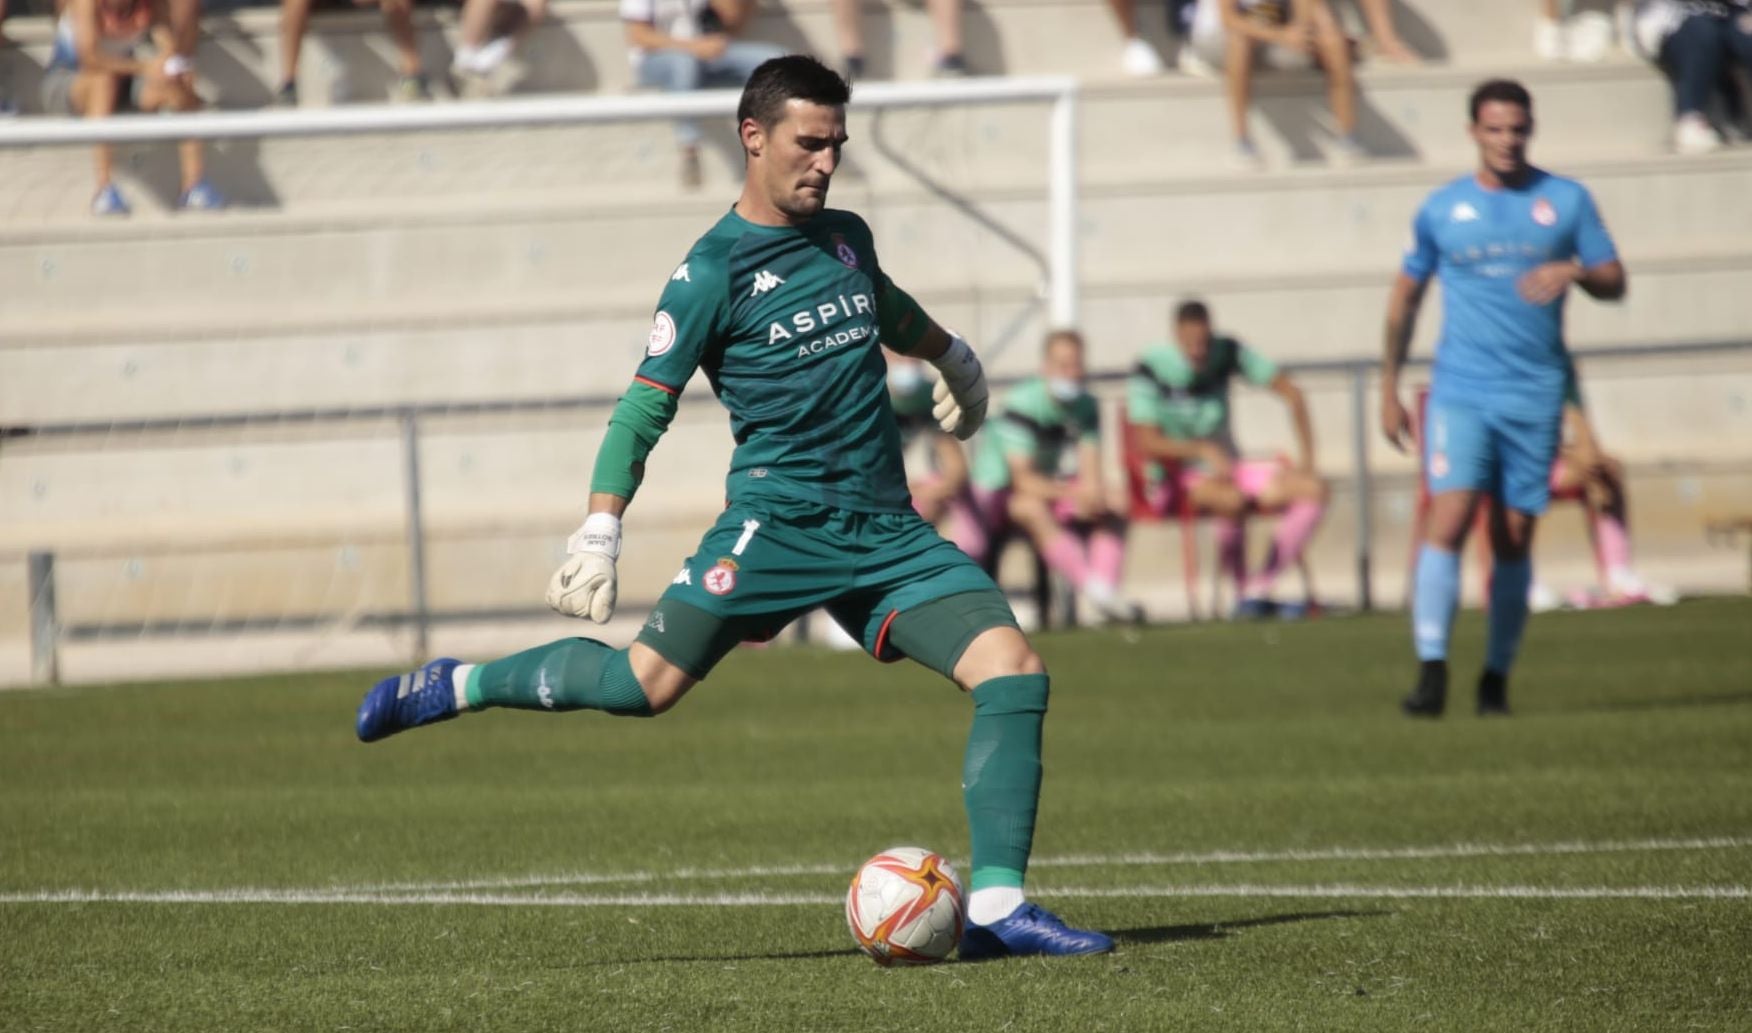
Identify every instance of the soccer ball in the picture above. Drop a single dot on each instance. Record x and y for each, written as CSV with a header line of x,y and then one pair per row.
x,y
905,907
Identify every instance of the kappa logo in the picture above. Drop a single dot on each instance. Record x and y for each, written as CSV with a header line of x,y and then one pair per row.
x,y
655,623
681,274
1463,212
764,281
543,691
684,577
1543,213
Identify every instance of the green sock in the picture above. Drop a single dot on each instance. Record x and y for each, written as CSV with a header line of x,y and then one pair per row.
x,y
571,674
1001,777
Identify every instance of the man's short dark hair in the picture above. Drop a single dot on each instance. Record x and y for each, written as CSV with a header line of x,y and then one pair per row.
x,y
1506,90
1192,311
792,77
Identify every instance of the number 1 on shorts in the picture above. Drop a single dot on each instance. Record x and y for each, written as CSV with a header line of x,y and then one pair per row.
x,y
748,529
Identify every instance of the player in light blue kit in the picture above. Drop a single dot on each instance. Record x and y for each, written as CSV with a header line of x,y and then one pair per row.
x,y
1506,241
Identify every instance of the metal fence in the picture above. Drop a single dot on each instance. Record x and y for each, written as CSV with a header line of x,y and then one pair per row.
x,y
46,632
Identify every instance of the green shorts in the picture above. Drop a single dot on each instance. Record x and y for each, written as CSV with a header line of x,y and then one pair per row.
x,y
767,562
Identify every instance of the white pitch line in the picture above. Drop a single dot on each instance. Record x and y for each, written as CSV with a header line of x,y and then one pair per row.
x,y
1323,891
1122,860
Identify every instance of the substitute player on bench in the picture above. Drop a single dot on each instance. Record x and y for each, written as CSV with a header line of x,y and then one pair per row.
x,y
784,305
1507,242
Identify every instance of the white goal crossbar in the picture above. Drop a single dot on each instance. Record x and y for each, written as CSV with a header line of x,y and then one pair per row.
x,y
1059,91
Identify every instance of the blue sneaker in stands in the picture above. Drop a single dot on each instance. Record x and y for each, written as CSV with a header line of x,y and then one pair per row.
x,y
1256,608
1030,929
405,701
109,202
202,197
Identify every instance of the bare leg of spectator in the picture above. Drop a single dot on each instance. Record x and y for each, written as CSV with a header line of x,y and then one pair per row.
x,y
399,16
1238,52
93,95
946,24
848,31
1378,15
1301,498
178,94
1333,49
294,20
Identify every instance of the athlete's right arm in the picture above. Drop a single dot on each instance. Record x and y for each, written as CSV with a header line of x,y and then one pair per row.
x,y
1403,301
689,318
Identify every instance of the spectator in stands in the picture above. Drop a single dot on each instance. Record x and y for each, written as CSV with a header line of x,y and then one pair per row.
x,y
1696,42
945,23
1178,403
490,32
397,14
1038,469
1582,466
692,45
1289,34
111,55
1138,58
936,468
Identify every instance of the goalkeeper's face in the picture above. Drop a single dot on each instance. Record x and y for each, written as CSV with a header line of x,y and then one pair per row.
x,y
792,161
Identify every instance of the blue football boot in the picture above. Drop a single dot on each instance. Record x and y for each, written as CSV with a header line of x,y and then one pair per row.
x,y
1030,929
405,701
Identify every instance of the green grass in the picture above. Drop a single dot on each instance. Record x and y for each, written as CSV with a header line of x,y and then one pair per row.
x,y
1629,725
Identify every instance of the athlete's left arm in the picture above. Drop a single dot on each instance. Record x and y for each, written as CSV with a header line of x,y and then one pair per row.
x,y
1285,388
961,393
1595,266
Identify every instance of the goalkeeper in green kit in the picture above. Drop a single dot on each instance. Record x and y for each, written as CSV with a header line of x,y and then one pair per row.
x,y
785,306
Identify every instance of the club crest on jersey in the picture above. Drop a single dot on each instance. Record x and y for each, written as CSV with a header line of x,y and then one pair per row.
x,y
729,563
720,580
662,335
843,251
1543,213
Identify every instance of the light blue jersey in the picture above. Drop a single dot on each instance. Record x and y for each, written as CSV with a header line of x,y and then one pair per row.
x,y
1497,351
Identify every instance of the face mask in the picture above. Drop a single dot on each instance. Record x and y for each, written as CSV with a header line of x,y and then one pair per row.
x,y
1063,388
904,377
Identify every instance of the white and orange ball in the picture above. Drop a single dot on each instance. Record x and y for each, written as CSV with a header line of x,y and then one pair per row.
x,y
905,907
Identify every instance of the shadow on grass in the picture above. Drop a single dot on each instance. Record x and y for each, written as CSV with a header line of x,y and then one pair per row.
x,y
1223,930
1150,934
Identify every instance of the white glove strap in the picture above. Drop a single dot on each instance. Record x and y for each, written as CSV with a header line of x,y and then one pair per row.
x,y
601,533
958,364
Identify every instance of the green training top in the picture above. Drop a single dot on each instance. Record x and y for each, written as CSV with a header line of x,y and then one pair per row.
x,y
1034,425
784,321
1189,404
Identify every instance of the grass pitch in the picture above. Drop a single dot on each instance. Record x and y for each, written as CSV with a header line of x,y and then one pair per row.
x,y
1241,805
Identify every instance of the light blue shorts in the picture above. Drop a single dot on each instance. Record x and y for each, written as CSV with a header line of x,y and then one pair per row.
x,y
1472,448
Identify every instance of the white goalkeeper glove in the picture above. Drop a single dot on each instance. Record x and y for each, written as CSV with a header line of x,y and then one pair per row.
x,y
960,394
584,586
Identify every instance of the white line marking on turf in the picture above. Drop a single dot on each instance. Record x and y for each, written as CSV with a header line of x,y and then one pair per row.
x,y
1336,890
1123,860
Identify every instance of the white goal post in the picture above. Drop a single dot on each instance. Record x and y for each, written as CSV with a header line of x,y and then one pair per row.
x,y
1059,91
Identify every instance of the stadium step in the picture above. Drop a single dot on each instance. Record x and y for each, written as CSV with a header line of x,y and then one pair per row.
x,y
1171,232
216,360
1176,128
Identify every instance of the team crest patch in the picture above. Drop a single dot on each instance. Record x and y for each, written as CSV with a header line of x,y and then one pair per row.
x,y
720,580
662,335
1543,213
844,252
729,563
